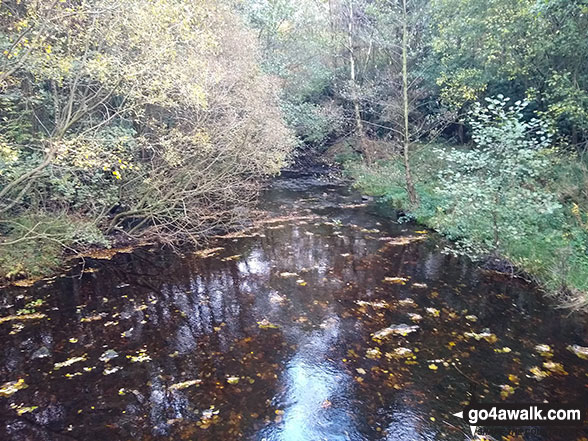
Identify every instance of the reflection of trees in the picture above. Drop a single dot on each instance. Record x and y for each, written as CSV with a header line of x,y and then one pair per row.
x,y
198,319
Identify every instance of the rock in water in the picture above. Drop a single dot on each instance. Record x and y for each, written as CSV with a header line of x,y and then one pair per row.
x,y
41,353
108,355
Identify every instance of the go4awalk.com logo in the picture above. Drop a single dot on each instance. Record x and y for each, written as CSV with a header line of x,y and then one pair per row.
x,y
518,415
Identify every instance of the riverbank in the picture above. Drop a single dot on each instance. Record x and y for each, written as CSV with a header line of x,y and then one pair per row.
x,y
547,250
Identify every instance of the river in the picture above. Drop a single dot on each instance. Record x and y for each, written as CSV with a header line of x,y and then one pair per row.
x,y
325,321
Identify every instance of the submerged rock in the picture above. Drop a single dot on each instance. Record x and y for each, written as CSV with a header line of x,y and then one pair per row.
x,y
108,355
42,352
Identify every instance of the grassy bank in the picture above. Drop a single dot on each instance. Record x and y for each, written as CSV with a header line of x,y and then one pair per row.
x,y
549,248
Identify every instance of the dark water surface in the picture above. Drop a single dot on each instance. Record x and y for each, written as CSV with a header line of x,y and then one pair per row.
x,y
274,337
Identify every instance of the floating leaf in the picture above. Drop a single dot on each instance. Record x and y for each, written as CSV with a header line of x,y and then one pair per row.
x,y
556,368
415,317
580,351
69,362
376,305
21,409
396,280
506,390
230,258
184,384
266,324
395,329
140,357
538,374
208,252
22,317
544,350
11,387
373,353
485,335
433,311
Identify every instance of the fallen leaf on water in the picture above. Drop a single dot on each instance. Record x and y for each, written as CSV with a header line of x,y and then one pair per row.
x,y
486,335
12,387
471,318
69,362
415,317
504,350
301,282
395,329
108,371
277,298
232,380
106,254
544,350
266,324
140,357
228,259
399,352
433,367
208,252
361,371
21,409
396,280
91,318
556,368
184,384
33,316
580,351
404,240
373,353
380,304
433,311
506,390
538,374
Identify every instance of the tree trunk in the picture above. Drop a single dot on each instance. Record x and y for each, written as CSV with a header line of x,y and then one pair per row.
x,y
352,77
412,195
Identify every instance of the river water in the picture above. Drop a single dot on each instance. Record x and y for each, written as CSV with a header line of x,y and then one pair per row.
x,y
325,321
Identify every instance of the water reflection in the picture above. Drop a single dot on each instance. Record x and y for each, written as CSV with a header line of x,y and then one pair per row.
x,y
271,337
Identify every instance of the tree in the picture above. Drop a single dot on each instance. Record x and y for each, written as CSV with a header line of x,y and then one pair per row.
x,y
523,48
139,119
494,191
